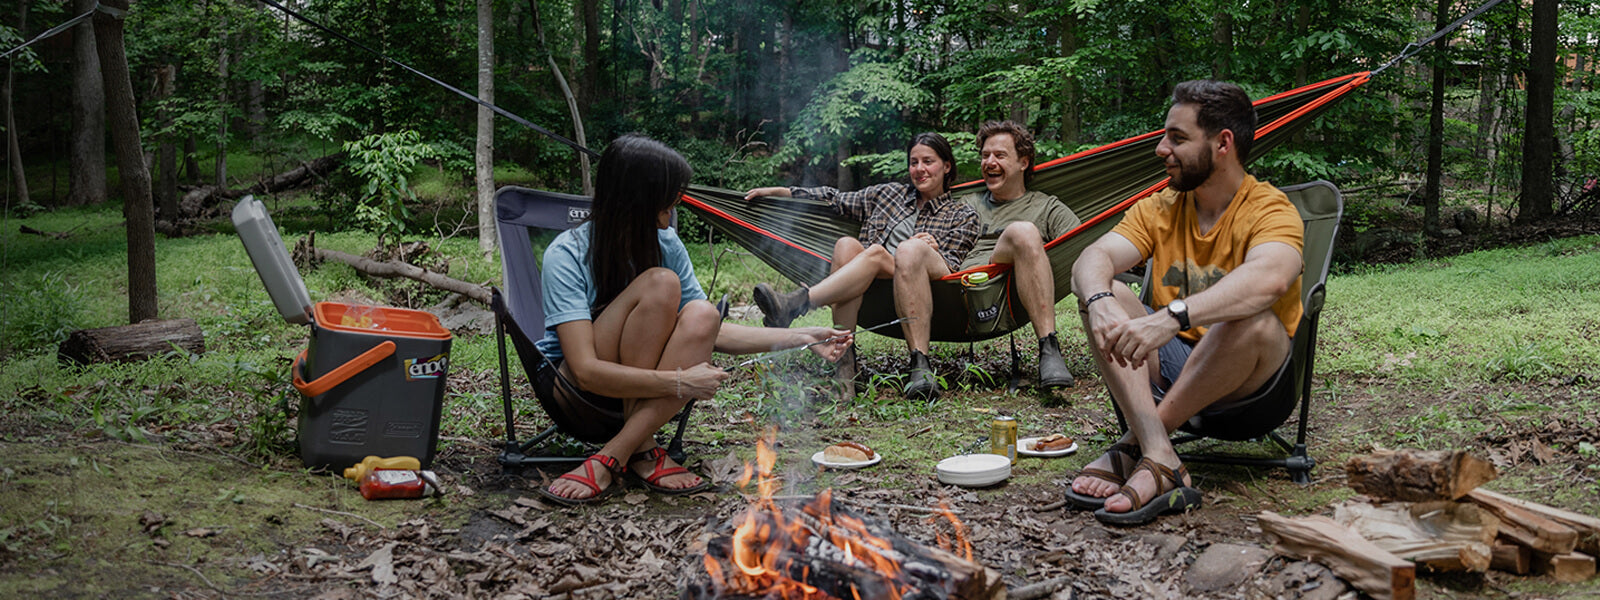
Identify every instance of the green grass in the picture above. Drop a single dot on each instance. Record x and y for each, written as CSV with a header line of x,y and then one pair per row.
x,y
1515,314
1520,313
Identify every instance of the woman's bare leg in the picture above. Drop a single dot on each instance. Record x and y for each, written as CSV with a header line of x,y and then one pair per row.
x,y
854,268
643,327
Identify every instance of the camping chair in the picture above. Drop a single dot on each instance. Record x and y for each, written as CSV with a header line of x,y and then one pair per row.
x,y
1320,206
528,220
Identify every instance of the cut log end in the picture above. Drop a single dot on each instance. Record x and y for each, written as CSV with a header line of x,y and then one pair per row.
x,y
1416,475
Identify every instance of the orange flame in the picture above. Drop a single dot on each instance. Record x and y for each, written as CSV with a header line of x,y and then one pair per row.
x,y
769,548
962,546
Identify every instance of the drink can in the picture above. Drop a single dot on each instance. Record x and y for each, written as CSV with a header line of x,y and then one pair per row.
x,y
1003,437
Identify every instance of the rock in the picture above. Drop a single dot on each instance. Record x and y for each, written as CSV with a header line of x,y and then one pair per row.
x,y
1225,566
1166,544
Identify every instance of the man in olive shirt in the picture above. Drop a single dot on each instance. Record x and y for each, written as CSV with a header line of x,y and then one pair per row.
x,y
1017,223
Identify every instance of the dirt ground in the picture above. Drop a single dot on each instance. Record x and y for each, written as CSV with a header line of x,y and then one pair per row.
x,y
185,515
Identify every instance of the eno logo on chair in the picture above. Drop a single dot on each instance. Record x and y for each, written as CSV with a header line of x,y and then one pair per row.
x,y
426,368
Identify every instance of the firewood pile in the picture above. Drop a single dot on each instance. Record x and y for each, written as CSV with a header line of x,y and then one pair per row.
x,y
1424,509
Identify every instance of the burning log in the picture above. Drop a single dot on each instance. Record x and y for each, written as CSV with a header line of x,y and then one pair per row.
x,y
822,550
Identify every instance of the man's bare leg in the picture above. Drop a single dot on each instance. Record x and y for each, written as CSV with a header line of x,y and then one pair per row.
x,y
1128,385
1233,359
1022,247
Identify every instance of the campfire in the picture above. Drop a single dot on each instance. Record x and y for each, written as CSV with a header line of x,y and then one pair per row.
x,y
805,549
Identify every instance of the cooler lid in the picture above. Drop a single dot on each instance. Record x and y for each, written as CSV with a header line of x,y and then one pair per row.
x,y
271,260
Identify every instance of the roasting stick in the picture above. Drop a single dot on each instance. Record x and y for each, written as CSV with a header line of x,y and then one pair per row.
x,y
772,355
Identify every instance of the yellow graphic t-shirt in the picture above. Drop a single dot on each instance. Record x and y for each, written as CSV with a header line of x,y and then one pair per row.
x,y
1165,227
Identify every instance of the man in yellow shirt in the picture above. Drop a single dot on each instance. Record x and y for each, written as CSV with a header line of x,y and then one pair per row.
x,y
1225,301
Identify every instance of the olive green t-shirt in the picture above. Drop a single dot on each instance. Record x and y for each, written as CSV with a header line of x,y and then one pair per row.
x,y
1045,211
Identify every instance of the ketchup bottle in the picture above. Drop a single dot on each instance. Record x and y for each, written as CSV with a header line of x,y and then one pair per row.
x,y
379,484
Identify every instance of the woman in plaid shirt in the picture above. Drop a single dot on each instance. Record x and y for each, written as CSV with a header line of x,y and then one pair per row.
x,y
910,229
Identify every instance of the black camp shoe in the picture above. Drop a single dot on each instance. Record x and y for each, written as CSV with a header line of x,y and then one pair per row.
x,y
779,310
1053,371
921,384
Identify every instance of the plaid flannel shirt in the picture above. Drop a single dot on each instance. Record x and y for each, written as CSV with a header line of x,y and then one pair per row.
x,y
879,207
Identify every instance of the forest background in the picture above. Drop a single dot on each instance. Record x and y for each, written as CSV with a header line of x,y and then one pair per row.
x,y
805,93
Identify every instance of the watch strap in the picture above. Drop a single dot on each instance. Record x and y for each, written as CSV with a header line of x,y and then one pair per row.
x,y
1182,317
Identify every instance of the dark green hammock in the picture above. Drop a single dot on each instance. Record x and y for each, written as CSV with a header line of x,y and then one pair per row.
x,y
796,236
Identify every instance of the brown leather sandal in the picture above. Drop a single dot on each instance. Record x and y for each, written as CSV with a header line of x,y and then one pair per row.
x,y
1171,496
1116,476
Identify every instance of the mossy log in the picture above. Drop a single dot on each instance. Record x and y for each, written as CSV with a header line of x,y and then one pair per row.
x,y
130,343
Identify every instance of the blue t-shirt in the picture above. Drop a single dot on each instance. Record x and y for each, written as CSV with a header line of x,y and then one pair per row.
x,y
569,288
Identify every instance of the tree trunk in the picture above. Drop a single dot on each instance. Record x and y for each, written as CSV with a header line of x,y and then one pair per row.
x,y
845,179
1538,139
1302,23
222,116
191,160
1441,64
1222,39
167,161
1071,126
572,102
783,38
1487,91
483,153
592,86
124,120
87,171
19,176
255,94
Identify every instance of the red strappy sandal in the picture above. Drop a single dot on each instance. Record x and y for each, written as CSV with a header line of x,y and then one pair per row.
x,y
588,480
653,480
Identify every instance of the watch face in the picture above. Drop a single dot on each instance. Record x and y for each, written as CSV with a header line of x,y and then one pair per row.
x,y
1177,306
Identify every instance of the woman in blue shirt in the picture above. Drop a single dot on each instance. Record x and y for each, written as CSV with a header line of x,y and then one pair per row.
x,y
625,318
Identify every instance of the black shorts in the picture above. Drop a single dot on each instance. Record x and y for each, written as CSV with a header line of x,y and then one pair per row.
x,y
584,415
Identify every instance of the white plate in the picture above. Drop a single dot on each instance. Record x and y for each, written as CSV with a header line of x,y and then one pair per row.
x,y
1024,443
974,470
823,461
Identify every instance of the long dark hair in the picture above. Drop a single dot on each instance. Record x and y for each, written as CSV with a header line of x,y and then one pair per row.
x,y
941,147
637,179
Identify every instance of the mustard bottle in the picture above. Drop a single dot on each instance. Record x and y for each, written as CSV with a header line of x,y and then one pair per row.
x,y
371,463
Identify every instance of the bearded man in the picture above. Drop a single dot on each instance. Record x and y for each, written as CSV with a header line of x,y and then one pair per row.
x,y
1225,252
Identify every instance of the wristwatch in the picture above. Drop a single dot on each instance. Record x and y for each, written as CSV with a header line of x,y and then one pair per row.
x,y
1179,311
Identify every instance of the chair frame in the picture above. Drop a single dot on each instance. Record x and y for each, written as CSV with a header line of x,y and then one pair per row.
x,y
1299,461
518,209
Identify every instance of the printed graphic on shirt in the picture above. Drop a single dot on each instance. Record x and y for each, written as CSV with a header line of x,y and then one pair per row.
x,y
1192,279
